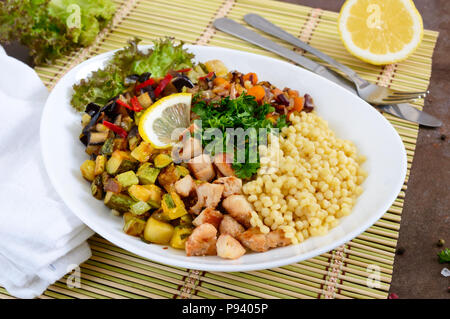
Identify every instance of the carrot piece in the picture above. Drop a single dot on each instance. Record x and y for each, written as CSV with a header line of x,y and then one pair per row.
x,y
277,92
298,103
252,77
257,91
293,93
221,81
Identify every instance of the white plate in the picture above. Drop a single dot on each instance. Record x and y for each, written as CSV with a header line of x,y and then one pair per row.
x,y
349,116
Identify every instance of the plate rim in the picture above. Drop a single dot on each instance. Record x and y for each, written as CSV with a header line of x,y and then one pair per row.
x,y
230,267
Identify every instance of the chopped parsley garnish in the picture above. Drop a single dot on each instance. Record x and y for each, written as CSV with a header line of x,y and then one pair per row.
x,y
243,112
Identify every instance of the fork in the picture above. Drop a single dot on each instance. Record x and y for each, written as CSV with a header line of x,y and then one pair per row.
x,y
369,92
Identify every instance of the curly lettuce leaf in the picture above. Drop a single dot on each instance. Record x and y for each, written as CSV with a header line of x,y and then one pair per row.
x,y
166,56
83,18
108,82
45,28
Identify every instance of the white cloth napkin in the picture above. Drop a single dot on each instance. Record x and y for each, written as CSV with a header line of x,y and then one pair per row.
x,y
40,239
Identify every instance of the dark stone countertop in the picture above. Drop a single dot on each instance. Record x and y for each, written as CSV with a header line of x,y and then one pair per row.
x,y
426,213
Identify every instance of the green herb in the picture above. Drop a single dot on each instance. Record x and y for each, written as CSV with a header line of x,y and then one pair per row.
x,y
53,28
108,82
243,112
444,256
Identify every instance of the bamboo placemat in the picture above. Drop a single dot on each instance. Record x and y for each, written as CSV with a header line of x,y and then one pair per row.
x,y
342,273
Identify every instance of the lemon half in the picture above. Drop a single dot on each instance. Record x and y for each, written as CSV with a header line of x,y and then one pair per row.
x,y
160,122
380,31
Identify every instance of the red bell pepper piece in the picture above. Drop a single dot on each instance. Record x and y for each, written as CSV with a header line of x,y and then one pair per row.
x,y
116,129
144,84
184,70
162,84
120,102
210,74
136,105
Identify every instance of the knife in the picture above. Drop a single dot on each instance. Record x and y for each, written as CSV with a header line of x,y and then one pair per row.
x,y
404,110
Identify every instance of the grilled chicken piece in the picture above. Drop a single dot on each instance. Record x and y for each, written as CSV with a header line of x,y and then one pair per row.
x,y
208,195
202,168
254,240
239,208
208,215
276,238
192,147
232,185
230,226
223,163
257,241
185,186
228,247
202,241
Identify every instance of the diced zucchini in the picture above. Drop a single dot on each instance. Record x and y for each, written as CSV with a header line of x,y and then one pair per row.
x,y
173,206
133,142
155,194
159,215
127,165
126,123
158,232
186,219
113,185
97,187
162,160
100,163
138,192
145,100
134,227
127,216
120,144
120,202
147,174
183,171
108,146
143,152
139,208
88,170
127,179
180,235
113,164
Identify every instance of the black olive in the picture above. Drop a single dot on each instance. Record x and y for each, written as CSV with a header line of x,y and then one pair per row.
x,y
92,108
144,77
182,81
131,79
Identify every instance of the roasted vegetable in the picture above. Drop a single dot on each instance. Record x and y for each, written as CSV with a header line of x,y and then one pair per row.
x,y
145,100
180,236
139,208
155,195
120,202
134,227
173,206
100,162
158,232
88,170
138,192
108,146
143,152
120,162
127,179
112,185
162,160
182,171
97,187
147,174
168,177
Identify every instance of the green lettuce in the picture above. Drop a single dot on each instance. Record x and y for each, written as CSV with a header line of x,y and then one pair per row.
x,y
53,28
108,82
165,56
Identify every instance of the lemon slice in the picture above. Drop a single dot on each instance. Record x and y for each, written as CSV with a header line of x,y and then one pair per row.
x,y
159,123
380,31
